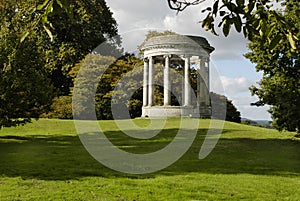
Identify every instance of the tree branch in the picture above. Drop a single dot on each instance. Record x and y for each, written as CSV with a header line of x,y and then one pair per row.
x,y
180,5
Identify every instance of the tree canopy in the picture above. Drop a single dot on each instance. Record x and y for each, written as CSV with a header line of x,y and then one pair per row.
x,y
280,85
255,18
40,44
75,31
274,43
25,90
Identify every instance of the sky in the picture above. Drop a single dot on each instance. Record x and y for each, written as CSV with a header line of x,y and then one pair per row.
x,y
136,17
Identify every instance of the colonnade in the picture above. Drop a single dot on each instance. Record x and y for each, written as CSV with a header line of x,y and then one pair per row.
x,y
192,52
202,66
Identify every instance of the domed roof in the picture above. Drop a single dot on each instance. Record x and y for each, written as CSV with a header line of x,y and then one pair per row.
x,y
177,41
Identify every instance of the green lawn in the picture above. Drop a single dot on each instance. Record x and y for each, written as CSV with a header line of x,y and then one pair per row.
x,y
45,160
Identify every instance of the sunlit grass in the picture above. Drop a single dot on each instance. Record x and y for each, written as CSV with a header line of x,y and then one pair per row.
x,y
45,160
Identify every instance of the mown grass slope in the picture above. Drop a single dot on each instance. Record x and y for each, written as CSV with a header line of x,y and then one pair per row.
x,y
46,160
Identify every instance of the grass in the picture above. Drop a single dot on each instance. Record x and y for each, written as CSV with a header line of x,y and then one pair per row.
x,y
45,160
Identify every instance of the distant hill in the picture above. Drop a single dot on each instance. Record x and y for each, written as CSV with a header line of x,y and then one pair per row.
x,y
260,123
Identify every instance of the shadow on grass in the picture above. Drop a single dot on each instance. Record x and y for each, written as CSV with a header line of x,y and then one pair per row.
x,y
63,157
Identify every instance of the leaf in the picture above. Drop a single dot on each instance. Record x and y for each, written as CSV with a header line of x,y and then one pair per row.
x,y
231,6
240,3
245,31
47,13
206,9
222,13
60,3
237,23
49,8
291,40
42,6
274,41
264,26
249,7
49,33
213,31
67,7
215,7
226,27
207,21
270,30
24,36
31,10
255,23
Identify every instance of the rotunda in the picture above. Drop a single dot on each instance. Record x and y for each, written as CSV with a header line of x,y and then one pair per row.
x,y
194,53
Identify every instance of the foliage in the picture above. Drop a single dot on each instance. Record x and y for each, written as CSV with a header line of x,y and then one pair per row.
x,y
25,90
109,82
255,18
89,72
91,23
274,37
248,122
75,28
28,57
280,85
61,108
106,73
232,114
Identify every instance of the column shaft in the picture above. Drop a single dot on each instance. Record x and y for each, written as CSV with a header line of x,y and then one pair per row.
x,y
198,85
167,92
145,84
151,82
207,81
202,82
187,86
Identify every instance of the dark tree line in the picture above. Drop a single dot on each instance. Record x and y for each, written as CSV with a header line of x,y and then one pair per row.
x,y
34,67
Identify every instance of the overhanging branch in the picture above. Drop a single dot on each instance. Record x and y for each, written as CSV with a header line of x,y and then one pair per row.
x,y
180,5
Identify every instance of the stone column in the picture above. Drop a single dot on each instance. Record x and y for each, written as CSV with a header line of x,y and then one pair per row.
x,y
198,84
167,86
145,84
206,80
202,83
187,92
182,87
151,82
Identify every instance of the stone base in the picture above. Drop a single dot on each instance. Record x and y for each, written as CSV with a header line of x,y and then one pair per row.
x,y
168,111
205,112
176,111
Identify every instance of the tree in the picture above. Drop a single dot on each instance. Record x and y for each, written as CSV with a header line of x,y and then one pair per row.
x,y
256,18
26,28
280,85
109,82
102,74
25,90
75,31
274,37
232,114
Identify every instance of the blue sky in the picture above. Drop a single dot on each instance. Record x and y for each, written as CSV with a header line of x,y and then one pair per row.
x,y
136,17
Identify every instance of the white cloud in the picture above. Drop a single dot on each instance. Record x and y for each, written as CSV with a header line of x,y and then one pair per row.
x,y
251,112
235,85
237,90
230,87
